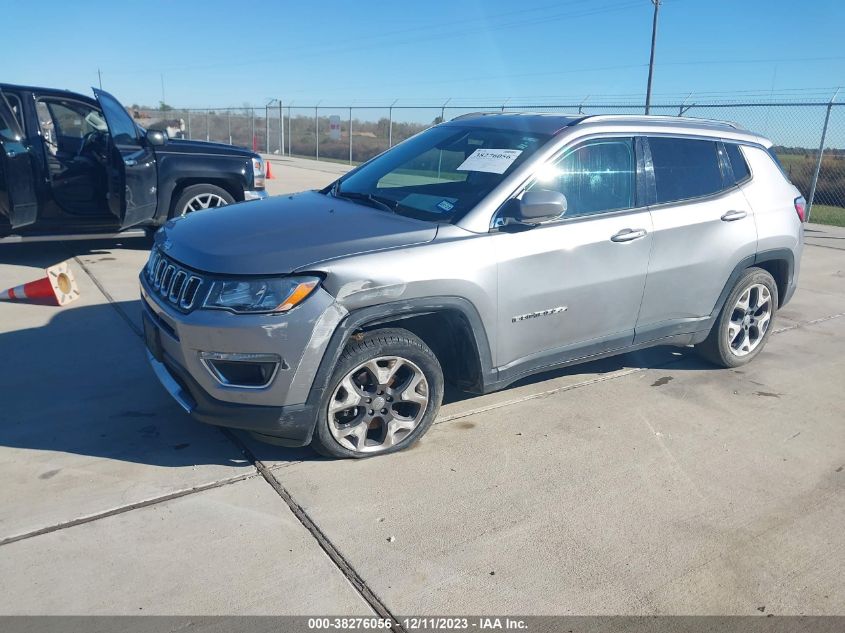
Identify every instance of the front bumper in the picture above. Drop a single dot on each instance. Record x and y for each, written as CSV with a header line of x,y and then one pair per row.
x,y
290,425
256,194
282,408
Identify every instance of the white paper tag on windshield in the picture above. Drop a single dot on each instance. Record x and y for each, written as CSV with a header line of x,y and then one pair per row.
x,y
493,161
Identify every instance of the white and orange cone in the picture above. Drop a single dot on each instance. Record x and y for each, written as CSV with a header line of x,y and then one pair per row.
x,y
58,286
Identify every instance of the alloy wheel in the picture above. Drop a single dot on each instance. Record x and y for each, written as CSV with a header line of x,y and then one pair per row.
x,y
378,404
750,320
203,201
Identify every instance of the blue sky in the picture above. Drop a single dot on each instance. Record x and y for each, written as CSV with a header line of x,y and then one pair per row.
x,y
216,53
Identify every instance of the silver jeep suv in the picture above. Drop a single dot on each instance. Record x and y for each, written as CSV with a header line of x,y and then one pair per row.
x,y
477,252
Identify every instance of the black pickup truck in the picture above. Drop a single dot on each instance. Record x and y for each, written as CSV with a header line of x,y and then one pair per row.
x,y
72,166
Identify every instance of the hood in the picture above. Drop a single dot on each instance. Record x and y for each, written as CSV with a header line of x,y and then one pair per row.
x,y
285,234
184,146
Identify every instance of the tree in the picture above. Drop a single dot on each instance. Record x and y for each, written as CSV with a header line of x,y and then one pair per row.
x,y
164,107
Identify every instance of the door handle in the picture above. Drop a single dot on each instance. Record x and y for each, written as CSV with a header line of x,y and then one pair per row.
x,y
730,216
131,162
628,235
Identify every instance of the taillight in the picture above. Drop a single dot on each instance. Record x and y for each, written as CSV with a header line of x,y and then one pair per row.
x,y
801,208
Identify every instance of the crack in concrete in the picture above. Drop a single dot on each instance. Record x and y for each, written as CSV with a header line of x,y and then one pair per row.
x,y
800,324
344,566
127,508
110,299
542,394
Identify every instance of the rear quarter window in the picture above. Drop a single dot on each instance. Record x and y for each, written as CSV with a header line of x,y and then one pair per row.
x,y
685,168
738,163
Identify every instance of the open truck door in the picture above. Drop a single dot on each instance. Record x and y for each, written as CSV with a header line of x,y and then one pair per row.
x,y
133,183
18,200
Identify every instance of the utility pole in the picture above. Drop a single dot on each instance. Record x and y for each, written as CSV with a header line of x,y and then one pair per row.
x,y
163,100
100,77
656,4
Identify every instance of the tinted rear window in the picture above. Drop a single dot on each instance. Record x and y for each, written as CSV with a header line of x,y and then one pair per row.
x,y
684,168
738,164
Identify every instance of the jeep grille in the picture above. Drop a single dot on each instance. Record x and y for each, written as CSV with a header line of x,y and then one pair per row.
x,y
171,282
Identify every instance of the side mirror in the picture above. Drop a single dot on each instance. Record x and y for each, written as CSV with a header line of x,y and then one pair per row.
x,y
539,205
156,137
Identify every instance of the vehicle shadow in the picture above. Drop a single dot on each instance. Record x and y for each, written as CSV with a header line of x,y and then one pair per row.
x,y
43,254
79,383
662,357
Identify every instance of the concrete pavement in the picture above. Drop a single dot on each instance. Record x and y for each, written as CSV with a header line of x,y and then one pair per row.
x,y
646,484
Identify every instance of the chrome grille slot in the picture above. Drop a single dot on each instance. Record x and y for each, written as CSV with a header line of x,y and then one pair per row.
x,y
190,293
159,272
151,264
167,279
171,282
175,293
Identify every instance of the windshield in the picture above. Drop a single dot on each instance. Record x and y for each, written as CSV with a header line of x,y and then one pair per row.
x,y
441,173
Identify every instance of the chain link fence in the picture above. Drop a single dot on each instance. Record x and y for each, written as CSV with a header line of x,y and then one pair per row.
x,y
809,138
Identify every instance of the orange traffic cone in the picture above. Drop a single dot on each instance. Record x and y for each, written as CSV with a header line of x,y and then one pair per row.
x,y
58,286
269,172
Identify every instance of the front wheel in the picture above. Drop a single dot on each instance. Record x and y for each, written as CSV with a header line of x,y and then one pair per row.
x,y
199,197
383,396
745,321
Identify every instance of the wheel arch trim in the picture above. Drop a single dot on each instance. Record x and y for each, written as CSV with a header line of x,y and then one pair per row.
x,y
773,255
397,311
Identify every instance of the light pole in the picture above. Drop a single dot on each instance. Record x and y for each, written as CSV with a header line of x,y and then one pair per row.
x,y
656,4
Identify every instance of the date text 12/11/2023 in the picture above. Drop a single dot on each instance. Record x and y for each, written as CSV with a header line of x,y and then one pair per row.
x,y
421,623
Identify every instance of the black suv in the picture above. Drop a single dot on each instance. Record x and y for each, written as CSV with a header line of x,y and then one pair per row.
x,y
72,165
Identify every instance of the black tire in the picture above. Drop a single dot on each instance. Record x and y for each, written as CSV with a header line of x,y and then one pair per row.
x,y
716,348
392,342
204,189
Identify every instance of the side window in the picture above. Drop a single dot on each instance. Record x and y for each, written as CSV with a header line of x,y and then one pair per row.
x,y
48,128
738,164
121,125
65,123
684,168
9,127
15,104
595,177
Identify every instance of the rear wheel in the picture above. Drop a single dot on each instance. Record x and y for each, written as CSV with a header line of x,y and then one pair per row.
x,y
383,396
199,197
745,322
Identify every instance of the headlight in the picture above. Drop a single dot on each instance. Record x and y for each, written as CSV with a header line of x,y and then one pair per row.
x,y
260,295
258,172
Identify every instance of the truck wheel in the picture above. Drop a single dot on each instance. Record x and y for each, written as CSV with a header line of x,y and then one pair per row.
x,y
198,197
745,322
383,395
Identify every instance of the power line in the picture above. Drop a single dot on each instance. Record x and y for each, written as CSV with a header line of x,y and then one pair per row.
x,y
357,47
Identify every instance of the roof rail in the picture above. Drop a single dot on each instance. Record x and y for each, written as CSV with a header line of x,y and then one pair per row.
x,y
666,117
575,117
466,115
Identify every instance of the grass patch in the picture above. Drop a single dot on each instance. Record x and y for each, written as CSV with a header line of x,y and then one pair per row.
x,y
826,214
